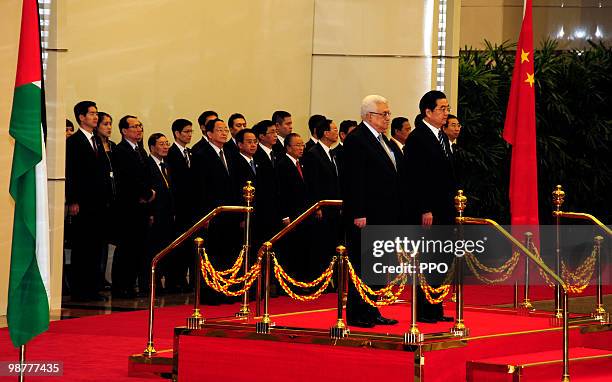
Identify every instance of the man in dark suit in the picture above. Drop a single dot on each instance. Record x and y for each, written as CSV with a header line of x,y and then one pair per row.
x,y
284,126
212,172
135,194
162,213
323,182
268,220
202,120
372,194
236,123
293,201
346,127
428,162
313,121
452,129
87,199
400,128
179,161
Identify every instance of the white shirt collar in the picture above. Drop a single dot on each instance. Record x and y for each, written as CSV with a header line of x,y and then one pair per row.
x,y
315,140
327,150
217,150
400,144
181,147
134,145
246,158
433,129
372,130
281,140
292,159
266,150
158,162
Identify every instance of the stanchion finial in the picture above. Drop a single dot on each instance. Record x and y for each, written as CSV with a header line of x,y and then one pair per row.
x,y
460,204
558,197
248,192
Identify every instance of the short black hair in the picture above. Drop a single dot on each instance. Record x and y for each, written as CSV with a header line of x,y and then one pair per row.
x,y
210,125
346,125
240,135
206,114
81,108
153,139
290,137
69,124
262,127
313,121
321,127
179,124
230,121
123,123
279,116
429,100
396,124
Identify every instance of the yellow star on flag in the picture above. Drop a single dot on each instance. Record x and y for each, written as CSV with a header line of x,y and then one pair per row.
x,y
524,56
530,79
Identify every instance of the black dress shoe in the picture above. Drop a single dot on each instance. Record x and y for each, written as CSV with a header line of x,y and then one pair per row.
x,y
380,320
427,320
360,323
446,319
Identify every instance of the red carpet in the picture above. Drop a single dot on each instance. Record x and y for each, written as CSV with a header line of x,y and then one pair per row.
x,y
96,348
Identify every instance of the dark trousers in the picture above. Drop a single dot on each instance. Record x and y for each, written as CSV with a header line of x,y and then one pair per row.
x,y
131,252
87,247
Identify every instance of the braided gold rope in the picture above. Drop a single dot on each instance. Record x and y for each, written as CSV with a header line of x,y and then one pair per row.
x,y
581,277
509,264
324,276
387,296
509,267
216,280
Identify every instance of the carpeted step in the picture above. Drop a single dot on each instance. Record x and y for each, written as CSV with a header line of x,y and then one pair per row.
x,y
586,364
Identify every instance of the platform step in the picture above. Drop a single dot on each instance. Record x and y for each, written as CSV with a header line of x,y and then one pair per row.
x,y
157,366
586,364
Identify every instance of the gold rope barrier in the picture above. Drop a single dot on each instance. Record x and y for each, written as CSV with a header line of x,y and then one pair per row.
x,y
507,268
215,279
386,294
283,278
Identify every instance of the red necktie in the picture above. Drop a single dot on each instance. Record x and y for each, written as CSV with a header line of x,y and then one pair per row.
x,y
299,168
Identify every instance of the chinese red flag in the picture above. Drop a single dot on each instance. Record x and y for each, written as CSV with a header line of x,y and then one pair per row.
x,y
520,130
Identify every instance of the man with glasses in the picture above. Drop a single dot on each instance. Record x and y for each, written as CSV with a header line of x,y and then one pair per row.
x,y
430,183
452,128
372,195
135,193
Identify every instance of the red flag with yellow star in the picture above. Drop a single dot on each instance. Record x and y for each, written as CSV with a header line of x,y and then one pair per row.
x,y
520,130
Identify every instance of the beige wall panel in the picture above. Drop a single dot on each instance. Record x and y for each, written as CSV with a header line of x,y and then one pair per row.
x,y
340,83
166,59
498,21
9,45
370,27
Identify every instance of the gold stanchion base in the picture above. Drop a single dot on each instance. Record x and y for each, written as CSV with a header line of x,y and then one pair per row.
x,y
265,325
149,350
339,331
414,336
195,322
454,297
526,304
565,378
601,315
243,312
459,330
559,313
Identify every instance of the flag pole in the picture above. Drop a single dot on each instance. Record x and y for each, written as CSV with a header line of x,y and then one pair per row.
x,y
22,350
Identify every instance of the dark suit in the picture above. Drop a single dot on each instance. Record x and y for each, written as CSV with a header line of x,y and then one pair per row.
x,y
372,190
322,182
162,229
87,179
426,164
231,148
214,186
133,211
396,146
184,199
199,145
266,196
309,144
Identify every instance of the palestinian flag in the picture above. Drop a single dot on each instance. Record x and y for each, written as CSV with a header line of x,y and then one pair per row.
x,y
28,299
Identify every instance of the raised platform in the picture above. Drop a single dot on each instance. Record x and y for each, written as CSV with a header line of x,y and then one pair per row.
x,y
300,340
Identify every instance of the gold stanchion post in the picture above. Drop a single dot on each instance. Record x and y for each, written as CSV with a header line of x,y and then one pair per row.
x,y
600,312
248,192
414,335
150,348
526,304
565,315
340,330
264,326
558,199
459,329
22,350
196,319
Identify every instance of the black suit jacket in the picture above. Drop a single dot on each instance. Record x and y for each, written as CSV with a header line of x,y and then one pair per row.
x,y
278,148
395,146
213,184
199,145
133,178
309,144
182,183
292,190
266,194
372,187
231,149
321,175
87,176
162,208
428,167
